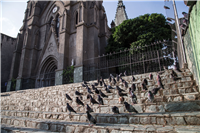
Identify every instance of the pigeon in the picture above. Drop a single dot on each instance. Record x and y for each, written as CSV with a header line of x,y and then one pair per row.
x,y
93,87
150,76
89,109
121,94
121,100
145,81
119,89
96,91
158,78
112,76
104,84
133,98
114,81
115,110
125,73
109,87
78,93
133,87
89,90
102,80
125,84
95,84
120,74
107,90
83,85
88,96
150,96
110,79
100,83
117,77
90,118
70,109
102,94
79,102
133,78
122,80
84,82
68,97
160,84
100,100
93,101
155,90
130,108
144,87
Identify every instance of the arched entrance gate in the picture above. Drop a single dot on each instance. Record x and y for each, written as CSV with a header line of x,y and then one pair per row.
x,y
47,73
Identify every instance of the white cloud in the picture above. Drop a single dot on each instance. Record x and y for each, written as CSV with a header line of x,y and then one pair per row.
x,y
8,27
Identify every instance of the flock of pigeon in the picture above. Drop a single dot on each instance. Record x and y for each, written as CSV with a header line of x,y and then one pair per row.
x,y
120,92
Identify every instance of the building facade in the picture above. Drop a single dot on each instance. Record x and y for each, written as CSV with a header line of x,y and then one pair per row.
x,y
54,35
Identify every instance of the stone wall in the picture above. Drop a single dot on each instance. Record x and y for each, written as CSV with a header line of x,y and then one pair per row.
x,y
8,45
192,41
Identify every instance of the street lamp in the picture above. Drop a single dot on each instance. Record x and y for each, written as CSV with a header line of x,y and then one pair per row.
x,y
177,27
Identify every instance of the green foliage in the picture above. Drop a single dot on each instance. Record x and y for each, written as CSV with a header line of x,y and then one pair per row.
x,y
68,74
13,82
140,31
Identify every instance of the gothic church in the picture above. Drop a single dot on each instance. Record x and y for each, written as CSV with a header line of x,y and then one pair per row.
x,y
55,35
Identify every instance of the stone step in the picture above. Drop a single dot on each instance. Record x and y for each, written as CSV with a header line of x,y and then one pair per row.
x,y
11,129
167,118
144,107
81,127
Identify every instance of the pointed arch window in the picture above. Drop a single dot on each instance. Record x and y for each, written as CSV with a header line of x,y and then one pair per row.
x,y
57,26
76,19
30,10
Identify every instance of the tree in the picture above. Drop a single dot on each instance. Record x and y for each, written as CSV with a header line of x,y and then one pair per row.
x,y
140,31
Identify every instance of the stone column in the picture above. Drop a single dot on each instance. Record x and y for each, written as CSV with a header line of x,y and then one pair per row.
x,y
59,77
78,74
8,86
18,84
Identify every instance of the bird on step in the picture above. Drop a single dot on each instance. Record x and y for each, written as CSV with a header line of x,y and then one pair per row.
x,y
107,90
121,94
144,87
100,100
102,94
150,96
96,91
155,90
89,90
133,87
133,78
90,118
79,102
115,110
89,109
125,73
93,101
70,109
145,81
125,84
121,100
78,93
130,108
119,89
150,76
68,97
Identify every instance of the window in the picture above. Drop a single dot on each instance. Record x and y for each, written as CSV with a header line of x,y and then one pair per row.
x,y
57,25
76,18
0,46
30,10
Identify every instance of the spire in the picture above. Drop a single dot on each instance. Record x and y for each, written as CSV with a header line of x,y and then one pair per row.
x,y
120,15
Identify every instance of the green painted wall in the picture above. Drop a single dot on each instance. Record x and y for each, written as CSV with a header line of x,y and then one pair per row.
x,y
192,42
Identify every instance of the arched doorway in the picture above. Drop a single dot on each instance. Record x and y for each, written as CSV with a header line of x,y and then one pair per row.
x,y
47,73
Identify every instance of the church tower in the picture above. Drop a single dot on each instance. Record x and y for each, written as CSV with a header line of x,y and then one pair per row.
x,y
55,35
120,15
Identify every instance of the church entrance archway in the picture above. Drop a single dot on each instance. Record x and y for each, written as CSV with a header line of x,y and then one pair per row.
x,y
47,73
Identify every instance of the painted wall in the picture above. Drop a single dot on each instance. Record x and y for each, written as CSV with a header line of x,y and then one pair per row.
x,y
192,41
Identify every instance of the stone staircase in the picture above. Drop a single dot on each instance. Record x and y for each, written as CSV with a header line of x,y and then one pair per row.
x,y
175,108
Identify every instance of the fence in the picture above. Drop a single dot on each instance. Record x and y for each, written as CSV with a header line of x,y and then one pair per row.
x,y
149,58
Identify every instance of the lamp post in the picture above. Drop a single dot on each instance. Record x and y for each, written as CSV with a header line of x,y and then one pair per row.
x,y
179,32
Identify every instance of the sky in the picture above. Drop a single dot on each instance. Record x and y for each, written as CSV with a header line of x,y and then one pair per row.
x,y
12,11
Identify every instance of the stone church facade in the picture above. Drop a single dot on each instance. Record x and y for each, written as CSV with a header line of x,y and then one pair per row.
x,y
54,35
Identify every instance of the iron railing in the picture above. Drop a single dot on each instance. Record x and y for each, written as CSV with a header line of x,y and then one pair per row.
x,y
149,58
